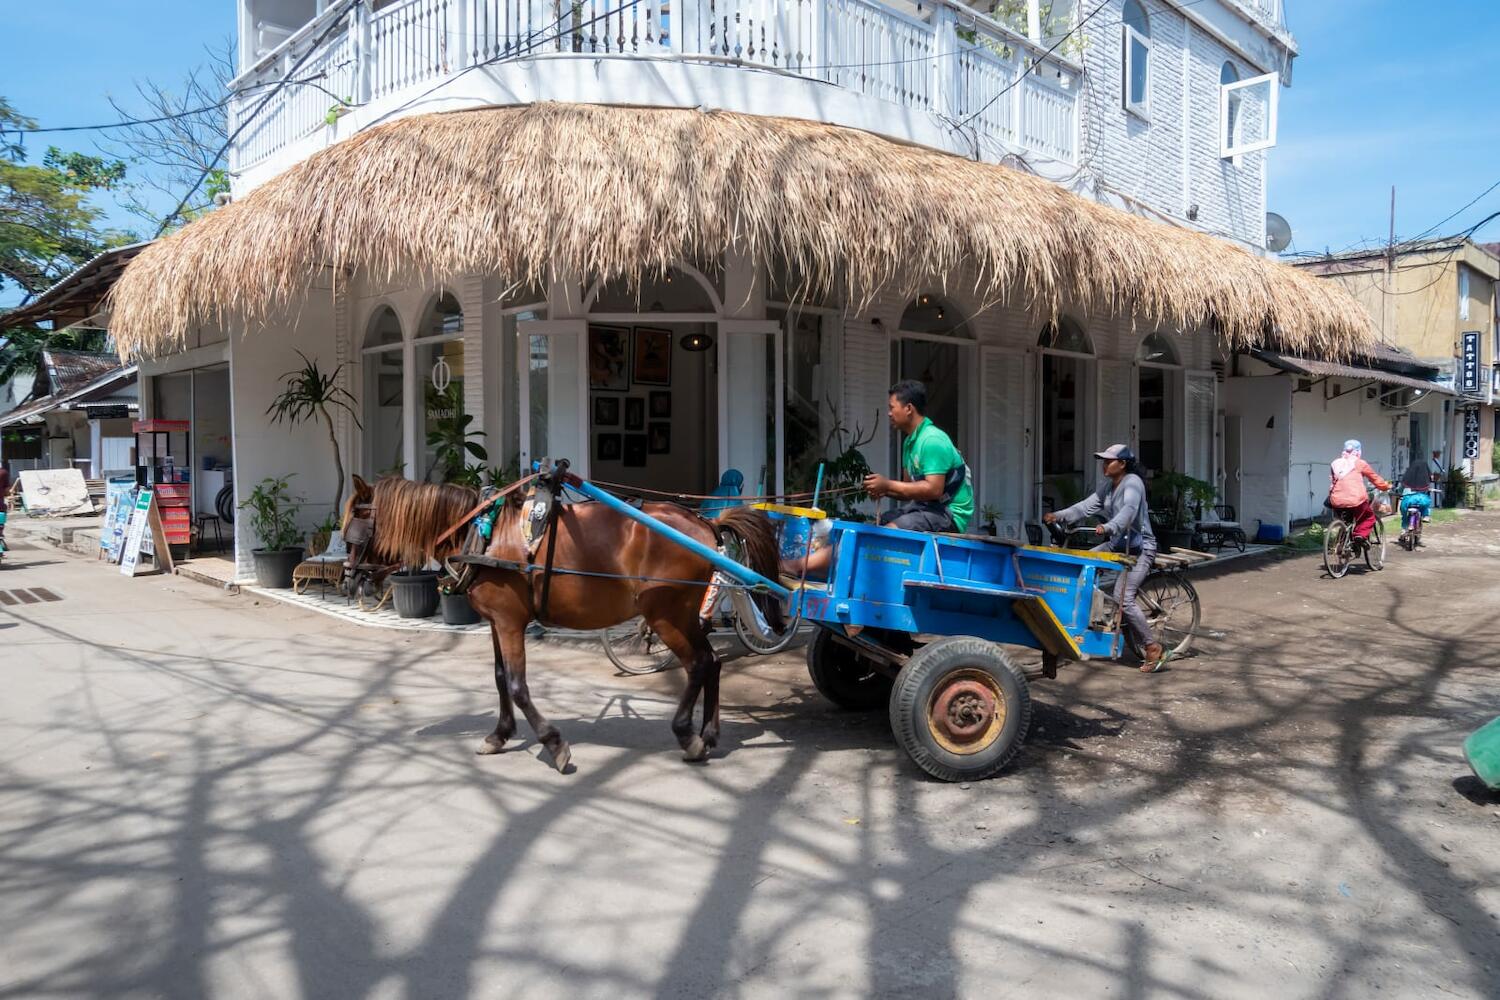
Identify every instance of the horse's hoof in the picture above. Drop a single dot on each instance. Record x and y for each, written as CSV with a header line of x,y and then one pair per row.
x,y
561,755
695,751
490,745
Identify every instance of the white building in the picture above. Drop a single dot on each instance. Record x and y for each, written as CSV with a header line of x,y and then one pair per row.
x,y
1160,110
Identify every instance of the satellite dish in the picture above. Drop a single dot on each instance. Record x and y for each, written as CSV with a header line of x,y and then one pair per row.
x,y
1278,233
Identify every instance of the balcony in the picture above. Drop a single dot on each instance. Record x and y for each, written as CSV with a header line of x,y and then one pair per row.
x,y
951,72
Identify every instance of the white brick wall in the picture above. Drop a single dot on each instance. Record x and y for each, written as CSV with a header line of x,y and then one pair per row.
x,y
1170,162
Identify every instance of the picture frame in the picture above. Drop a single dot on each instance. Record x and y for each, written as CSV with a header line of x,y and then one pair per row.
x,y
607,448
635,451
609,358
651,357
635,413
606,411
660,405
659,438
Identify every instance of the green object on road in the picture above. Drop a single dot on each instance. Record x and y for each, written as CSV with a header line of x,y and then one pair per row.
x,y
1482,748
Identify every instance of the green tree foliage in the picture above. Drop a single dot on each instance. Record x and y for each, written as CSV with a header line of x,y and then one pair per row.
x,y
47,225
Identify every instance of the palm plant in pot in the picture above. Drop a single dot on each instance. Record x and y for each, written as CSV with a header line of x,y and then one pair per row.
x,y
273,518
311,393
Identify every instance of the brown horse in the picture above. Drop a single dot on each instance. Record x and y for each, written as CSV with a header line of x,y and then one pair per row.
x,y
639,572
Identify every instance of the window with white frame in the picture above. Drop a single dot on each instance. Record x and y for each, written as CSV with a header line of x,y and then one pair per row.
x,y
1463,292
1136,78
1247,111
384,378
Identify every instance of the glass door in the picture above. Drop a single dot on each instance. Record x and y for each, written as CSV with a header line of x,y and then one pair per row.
x,y
751,389
553,390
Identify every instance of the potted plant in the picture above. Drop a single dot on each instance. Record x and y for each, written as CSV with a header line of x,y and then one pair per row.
x,y
450,436
318,543
455,606
1456,489
988,516
414,592
310,392
273,518
1175,496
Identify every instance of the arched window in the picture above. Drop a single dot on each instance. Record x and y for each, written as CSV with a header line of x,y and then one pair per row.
x,y
449,444
929,347
929,314
1136,82
1156,349
1227,75
1065,335
383,396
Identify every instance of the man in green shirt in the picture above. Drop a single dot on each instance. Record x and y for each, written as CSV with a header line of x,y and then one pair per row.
x,y
935,494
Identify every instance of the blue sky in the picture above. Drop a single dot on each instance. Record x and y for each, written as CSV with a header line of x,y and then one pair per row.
x,y
1385,92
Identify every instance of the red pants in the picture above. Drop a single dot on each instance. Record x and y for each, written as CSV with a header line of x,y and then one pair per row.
x,y
1364,520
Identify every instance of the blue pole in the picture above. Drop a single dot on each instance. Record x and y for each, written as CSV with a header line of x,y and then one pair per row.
x,y
717,559
818,487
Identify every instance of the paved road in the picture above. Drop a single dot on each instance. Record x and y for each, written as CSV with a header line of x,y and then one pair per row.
x,y
203,796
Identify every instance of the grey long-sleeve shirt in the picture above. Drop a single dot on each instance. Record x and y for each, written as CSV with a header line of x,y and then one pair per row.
x,y
1128,519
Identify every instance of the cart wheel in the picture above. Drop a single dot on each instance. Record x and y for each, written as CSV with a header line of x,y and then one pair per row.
x,y
635,648
844,677
960,709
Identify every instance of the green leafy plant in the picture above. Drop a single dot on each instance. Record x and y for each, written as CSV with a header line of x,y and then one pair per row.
x,y
989,514
1179,495
1456,489
449,435
309,392
502,476
273,513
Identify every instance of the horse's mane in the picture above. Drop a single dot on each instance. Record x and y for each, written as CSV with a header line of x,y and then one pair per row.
x,y
409,517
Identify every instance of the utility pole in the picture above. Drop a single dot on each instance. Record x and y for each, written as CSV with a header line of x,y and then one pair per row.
x,y
1388,307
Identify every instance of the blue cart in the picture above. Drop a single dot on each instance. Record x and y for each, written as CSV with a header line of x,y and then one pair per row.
x,y
916,623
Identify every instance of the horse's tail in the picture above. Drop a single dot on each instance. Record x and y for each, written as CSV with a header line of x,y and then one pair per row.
x,y
758,538
410,516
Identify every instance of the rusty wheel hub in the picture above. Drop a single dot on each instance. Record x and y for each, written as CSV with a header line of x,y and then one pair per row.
x,y
967,712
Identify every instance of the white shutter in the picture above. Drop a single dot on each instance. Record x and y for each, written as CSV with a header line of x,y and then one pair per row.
x,y
865,396
1199,391
1003,474
1118,385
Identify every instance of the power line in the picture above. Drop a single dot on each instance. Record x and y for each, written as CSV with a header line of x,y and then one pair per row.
x,y
1461,211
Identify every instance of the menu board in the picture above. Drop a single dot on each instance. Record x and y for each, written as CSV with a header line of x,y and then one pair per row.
x,y
116,526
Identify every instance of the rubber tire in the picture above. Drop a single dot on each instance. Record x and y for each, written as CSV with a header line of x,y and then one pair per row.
x,y
1161,581
1332,538
915,687
844,677
1377,537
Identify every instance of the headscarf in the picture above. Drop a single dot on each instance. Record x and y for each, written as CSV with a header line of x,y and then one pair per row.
x,y
1349,460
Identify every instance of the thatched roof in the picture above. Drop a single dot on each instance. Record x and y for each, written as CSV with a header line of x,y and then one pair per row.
x,y
609,191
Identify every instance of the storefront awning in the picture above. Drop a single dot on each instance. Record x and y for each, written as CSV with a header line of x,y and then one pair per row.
x,y
1331,369
602,192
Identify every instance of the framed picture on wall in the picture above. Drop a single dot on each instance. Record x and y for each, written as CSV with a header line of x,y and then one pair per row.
x,y
661,405
609,356
652,363
659,438
635,450
635,413
607,448
606,411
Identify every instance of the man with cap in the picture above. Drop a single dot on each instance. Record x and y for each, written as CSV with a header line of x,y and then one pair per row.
x,y
1121,496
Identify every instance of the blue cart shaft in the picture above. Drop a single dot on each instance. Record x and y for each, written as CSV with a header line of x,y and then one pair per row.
x,y
717,559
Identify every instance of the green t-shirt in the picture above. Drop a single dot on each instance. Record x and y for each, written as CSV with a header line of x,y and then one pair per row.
x,y
930,452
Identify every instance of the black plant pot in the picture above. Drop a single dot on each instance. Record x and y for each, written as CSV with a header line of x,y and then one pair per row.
x,y
1174,539
273,567
415,595
989,529
457,610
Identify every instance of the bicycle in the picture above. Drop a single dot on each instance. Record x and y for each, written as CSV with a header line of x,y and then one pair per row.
x,y
1340,547
1169,601
1411,528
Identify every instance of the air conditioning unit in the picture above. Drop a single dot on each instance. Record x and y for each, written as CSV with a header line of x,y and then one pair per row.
x,y
1303,385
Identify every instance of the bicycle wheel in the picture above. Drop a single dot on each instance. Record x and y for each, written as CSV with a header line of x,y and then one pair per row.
x,y
1375,548
748,622
1336,552
635,648
1171,607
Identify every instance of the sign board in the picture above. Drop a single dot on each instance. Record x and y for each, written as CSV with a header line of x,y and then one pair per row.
x,y
116,525
111,412
1471,433
145,536
1468,365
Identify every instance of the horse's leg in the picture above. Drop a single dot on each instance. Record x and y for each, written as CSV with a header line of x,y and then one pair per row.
x,y
681,631
505,725
513,649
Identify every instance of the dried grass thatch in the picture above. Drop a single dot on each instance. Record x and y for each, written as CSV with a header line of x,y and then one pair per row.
x,y
609,191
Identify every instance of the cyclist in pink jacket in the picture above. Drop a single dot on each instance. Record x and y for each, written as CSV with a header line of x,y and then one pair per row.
x,y
1347,475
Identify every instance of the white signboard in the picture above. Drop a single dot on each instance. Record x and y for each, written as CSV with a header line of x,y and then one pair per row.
x,y
55,492
1471,433
140,524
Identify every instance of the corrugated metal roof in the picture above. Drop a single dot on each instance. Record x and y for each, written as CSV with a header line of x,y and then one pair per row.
x,y
1329,369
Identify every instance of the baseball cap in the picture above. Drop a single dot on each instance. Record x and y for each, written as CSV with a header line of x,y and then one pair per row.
x,y
1120,451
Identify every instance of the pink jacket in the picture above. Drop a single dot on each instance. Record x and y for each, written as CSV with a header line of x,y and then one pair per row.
x,y
1347,476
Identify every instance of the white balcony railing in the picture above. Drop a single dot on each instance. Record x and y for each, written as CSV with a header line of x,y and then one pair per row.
x,y
952,61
